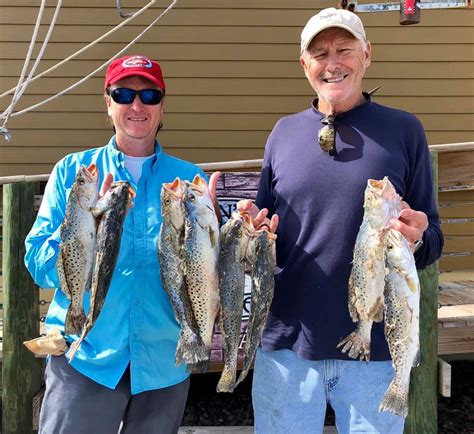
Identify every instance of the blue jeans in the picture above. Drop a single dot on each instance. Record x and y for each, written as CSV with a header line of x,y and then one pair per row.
x,y
290,395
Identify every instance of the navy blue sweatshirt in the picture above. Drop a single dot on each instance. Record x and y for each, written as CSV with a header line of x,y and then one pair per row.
x,y
319,199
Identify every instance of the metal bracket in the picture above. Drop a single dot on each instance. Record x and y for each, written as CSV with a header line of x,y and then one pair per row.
x,y
353,6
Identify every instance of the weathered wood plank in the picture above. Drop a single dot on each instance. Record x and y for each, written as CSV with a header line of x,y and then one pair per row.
x,y
444,378
20,370
456,340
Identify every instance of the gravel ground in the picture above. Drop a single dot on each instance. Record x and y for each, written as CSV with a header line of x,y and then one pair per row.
x,y
206,407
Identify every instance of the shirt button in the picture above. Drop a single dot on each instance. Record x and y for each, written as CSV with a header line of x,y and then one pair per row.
x,y
135,336
137,301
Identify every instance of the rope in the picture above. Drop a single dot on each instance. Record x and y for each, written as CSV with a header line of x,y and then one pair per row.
x,y
77,53
99,68
19,90
23,71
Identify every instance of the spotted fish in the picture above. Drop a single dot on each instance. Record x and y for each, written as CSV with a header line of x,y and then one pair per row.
x,y
234,239
190,348
367,279
76,249
402,316
201,258
111,209
261,254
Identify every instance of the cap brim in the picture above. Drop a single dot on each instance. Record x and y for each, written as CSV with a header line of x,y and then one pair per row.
x,y
130,73
341,26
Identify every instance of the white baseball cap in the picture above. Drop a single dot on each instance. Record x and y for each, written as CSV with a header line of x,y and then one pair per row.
x,y
332,17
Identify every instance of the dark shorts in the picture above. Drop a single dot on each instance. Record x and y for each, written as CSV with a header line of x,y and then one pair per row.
x,y
75,404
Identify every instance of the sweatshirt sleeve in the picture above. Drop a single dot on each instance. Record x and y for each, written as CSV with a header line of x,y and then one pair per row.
x,y
420,196
264,197
42,242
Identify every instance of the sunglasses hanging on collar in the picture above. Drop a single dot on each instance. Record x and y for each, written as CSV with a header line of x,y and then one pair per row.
x,y
327,135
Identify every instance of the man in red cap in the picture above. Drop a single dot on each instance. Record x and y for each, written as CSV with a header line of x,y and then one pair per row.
x,y
124,372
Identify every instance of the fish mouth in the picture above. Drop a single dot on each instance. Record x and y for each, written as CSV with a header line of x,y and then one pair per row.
x,y
198,185
174,188
91,172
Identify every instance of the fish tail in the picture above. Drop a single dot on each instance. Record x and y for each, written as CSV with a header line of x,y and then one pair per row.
x,y
73,349
227,380
199,367
74,321
395,400
190,349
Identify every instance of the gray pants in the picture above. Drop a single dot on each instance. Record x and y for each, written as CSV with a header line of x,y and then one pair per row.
x,y
74,404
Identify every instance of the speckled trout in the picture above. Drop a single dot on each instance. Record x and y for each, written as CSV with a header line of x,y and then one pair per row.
x,y
76,249
367,279
190,348
261,255
402,316
201,258
111,209
234,237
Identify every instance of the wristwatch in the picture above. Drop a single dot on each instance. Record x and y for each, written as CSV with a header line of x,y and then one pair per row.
x,y
417,244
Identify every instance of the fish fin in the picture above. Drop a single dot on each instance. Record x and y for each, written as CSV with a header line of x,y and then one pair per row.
x,y
190,349
395,400
411,284
89,281
73,349
74,322
200,367
227,380
417,359
214,235
63,283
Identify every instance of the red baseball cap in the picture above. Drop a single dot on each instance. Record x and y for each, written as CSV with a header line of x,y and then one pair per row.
x,y
134,65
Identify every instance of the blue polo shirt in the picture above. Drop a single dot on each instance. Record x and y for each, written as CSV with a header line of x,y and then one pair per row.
x,y
137,325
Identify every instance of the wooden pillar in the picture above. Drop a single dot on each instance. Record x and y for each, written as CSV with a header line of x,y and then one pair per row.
x,y
21,371
423,408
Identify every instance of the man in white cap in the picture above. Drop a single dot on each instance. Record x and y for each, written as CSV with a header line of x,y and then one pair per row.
x,y
316,166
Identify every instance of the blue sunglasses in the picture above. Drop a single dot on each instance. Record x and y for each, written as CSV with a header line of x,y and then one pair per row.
x,y
123,95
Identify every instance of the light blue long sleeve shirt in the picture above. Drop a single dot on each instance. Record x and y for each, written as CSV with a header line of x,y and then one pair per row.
x,y
137,325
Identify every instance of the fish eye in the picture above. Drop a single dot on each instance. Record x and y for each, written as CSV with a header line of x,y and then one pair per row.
x,y
191,198
81,181
390,247
167,201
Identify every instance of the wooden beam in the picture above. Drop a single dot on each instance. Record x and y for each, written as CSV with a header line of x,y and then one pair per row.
x,y
456,340
444,378
423,411
20,370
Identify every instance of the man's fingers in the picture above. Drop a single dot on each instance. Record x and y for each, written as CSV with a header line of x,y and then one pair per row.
x,y
213,182
106,184
260,217
411,233
414,218
274,223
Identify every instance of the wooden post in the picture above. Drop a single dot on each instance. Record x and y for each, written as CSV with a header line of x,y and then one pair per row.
x,y
423,408
21,371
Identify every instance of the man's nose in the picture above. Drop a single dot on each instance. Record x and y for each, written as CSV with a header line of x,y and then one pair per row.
x,y
332,61
137,103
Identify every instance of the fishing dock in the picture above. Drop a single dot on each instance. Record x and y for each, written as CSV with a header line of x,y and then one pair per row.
x,y
447,305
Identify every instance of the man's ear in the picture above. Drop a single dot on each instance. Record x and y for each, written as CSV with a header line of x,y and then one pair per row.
x,y
368,54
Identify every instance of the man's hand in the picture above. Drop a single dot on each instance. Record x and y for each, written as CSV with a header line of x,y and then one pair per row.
x,y
259,216
212,191
106,184
411,224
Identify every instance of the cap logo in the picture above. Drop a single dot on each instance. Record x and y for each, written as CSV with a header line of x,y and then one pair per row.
x,y
137,62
